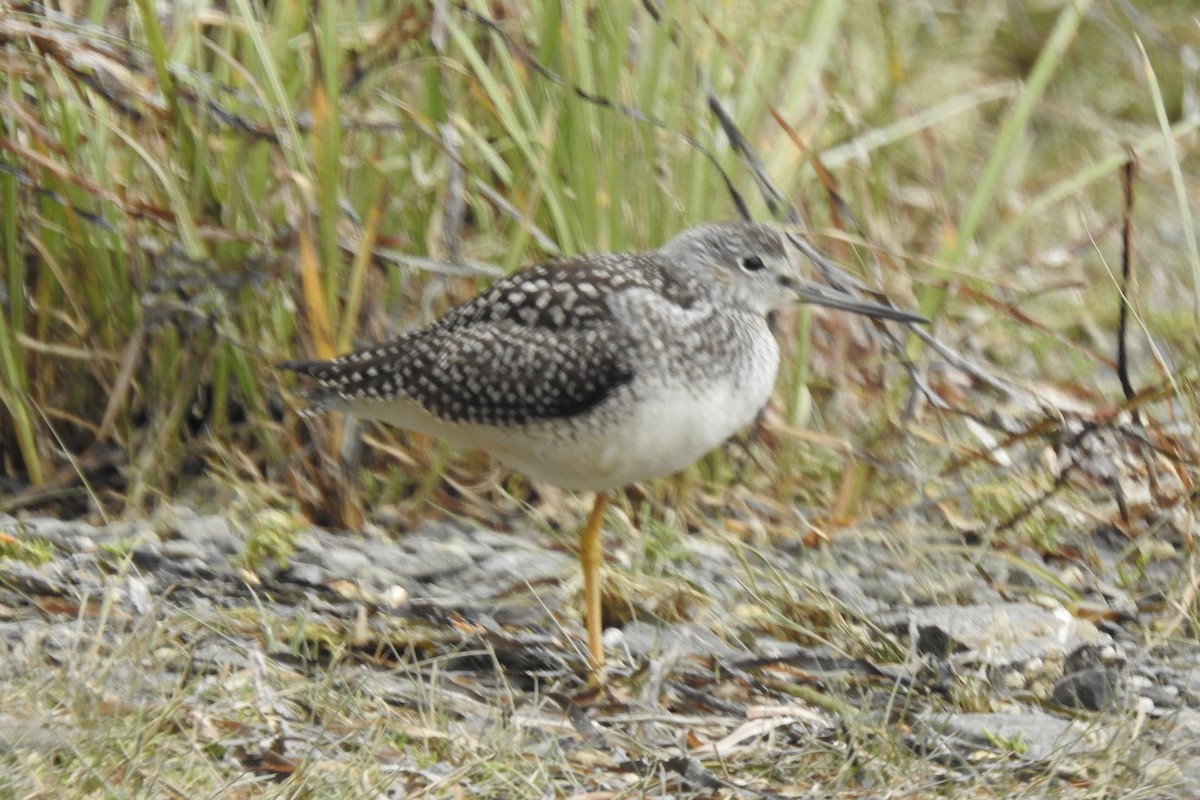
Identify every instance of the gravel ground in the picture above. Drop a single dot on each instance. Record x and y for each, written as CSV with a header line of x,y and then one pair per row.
x,y
1040,664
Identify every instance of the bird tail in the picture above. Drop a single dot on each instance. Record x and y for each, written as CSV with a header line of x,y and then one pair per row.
x,y
319,399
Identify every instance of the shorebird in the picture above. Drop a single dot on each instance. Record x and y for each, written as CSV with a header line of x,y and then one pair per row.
x,y
595,372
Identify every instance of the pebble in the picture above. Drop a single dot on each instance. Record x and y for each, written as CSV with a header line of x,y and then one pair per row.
x,y
1088,689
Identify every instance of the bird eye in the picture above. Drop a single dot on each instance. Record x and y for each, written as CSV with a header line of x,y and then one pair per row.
x,y
752,263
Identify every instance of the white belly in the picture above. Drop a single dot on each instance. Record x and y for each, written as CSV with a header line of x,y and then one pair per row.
x,y
663,436
644,431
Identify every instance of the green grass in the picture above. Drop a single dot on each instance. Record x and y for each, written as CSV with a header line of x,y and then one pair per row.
x,y
29,549
197,230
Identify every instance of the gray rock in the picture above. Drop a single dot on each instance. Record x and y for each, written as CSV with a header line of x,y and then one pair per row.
x,y
1118,599
304,574
386,555
42,579
1088,689
344,562
1163,697
137,595
147,554
1187,722
135,530
479,542
190,568
210,533
519,566
1029,733
180,550
713,555
644,640
425,559
1189,685
62,534
999,635
851,592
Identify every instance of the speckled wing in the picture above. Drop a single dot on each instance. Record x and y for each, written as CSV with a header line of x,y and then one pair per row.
x,y
568,294
489,373
542,344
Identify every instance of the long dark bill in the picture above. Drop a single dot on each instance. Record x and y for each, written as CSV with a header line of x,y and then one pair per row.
x,y
832,298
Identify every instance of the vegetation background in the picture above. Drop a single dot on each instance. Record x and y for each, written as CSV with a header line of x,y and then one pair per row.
x,y
192,192
196,191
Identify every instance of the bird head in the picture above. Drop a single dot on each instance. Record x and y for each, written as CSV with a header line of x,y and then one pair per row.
x,y
757,267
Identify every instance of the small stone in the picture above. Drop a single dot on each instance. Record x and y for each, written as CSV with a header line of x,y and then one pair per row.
x,y
305,574
147,555
1162,696
209,532
1138,683
1187,720
1090,689
426,560
137,593
344,562
394,596
180,550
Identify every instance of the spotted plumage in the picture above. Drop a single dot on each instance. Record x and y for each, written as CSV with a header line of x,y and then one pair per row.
x,y
540,344
597,371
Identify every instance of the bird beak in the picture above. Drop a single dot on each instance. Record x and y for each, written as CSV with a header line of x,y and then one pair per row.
x,y
831,298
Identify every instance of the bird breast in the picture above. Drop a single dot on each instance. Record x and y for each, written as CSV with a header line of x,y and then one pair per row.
x,y
686,399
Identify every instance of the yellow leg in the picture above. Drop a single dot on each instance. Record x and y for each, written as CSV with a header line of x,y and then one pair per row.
x,y
591,558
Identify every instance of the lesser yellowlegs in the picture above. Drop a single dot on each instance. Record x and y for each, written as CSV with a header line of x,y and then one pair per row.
x,y
595,372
